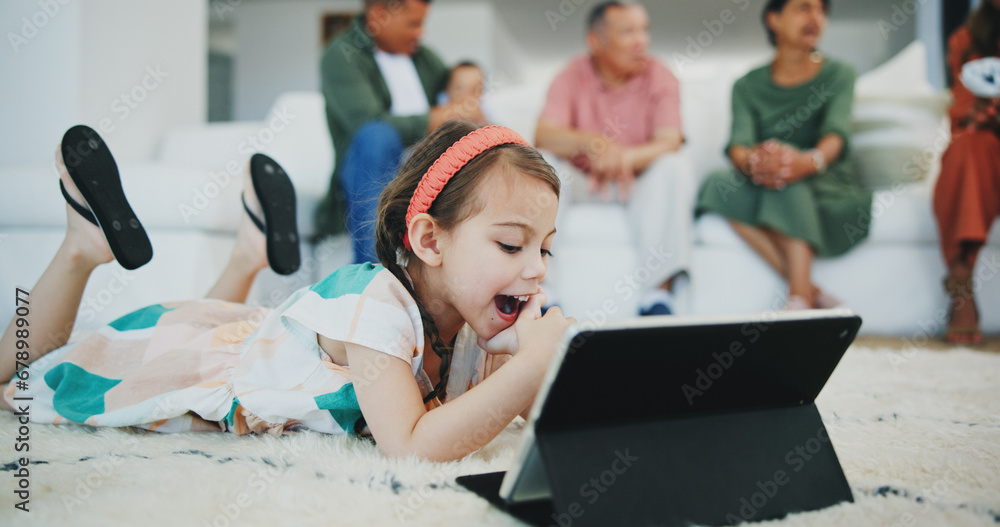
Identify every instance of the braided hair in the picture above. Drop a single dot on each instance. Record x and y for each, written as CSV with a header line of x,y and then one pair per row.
x,y
458,201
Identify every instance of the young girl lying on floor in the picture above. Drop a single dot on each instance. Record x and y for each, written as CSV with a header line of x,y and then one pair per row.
x,y
463,236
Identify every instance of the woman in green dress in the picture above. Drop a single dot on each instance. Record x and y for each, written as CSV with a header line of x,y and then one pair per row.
x,y
792,194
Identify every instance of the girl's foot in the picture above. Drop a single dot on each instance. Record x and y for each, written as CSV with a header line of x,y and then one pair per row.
x,y
251,243
84,240
87,167
271,208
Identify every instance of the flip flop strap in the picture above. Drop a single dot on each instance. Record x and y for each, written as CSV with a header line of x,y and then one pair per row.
x,y
253,217
80,209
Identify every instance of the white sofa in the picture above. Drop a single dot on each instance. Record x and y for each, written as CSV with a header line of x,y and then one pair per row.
x,y
188,200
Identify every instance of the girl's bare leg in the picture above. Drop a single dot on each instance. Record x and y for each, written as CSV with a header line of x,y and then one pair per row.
x,y
249,254
60,288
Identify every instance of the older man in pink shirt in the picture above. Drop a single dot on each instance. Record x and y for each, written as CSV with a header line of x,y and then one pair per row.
x,y
612,119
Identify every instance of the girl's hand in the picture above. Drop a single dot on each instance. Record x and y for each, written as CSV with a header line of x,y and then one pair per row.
x,y
539,338
506,341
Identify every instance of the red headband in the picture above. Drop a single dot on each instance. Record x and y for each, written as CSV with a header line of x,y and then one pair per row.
x,y
450,162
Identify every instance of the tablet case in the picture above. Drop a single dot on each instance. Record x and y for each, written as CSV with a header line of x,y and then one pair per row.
x,y
709,423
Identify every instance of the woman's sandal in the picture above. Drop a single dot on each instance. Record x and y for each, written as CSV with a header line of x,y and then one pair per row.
x,y
822,300
93,170
961,291
276,195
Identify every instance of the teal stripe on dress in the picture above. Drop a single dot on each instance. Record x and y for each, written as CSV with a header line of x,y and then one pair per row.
x,y
230,418
348,280
144,318
79,394
342,405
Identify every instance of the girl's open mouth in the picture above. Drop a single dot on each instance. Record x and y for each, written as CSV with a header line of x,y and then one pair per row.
x,y
509,306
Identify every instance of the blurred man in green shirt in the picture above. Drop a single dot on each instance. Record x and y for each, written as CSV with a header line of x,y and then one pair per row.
x,y
380,85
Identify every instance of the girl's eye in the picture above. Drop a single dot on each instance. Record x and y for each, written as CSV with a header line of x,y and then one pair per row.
x,y
508,248
546,252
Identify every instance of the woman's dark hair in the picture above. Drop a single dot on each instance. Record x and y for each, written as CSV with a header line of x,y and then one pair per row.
x,y
457,202
984,29
776,6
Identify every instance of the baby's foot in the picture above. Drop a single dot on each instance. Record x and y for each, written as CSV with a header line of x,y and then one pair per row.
x,y
84,239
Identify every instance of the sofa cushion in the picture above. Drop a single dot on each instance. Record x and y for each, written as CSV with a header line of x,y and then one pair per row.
x,y
163,197
899,121
197,180
901,77
212,145
593,224
517,107
301,141
897,155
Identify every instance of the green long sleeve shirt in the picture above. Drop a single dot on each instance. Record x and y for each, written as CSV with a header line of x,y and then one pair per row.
x,y
356,94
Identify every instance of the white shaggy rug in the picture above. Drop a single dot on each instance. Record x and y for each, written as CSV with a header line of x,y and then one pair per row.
x,y
917,433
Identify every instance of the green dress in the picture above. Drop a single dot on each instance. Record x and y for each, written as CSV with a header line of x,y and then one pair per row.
x,y
830,210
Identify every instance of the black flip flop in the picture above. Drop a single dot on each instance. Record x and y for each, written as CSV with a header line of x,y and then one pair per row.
x,y
276,195
94,172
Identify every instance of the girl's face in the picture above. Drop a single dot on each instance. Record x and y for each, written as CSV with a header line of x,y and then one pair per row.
x,y
800,24
492,262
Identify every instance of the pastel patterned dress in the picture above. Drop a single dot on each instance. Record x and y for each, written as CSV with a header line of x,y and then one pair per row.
x,y
215,365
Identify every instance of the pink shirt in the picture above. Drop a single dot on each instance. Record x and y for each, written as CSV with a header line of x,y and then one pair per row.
x,y
629,114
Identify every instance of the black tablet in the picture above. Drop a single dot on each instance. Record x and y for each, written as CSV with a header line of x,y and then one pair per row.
x,y
678,420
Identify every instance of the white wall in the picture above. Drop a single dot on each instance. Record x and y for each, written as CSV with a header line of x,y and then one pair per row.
x,y
703,31
929,31
470,23
88,64
40,78
279,44
145,70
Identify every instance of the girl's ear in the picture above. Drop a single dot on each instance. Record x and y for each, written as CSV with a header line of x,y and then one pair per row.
x,y
425,236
